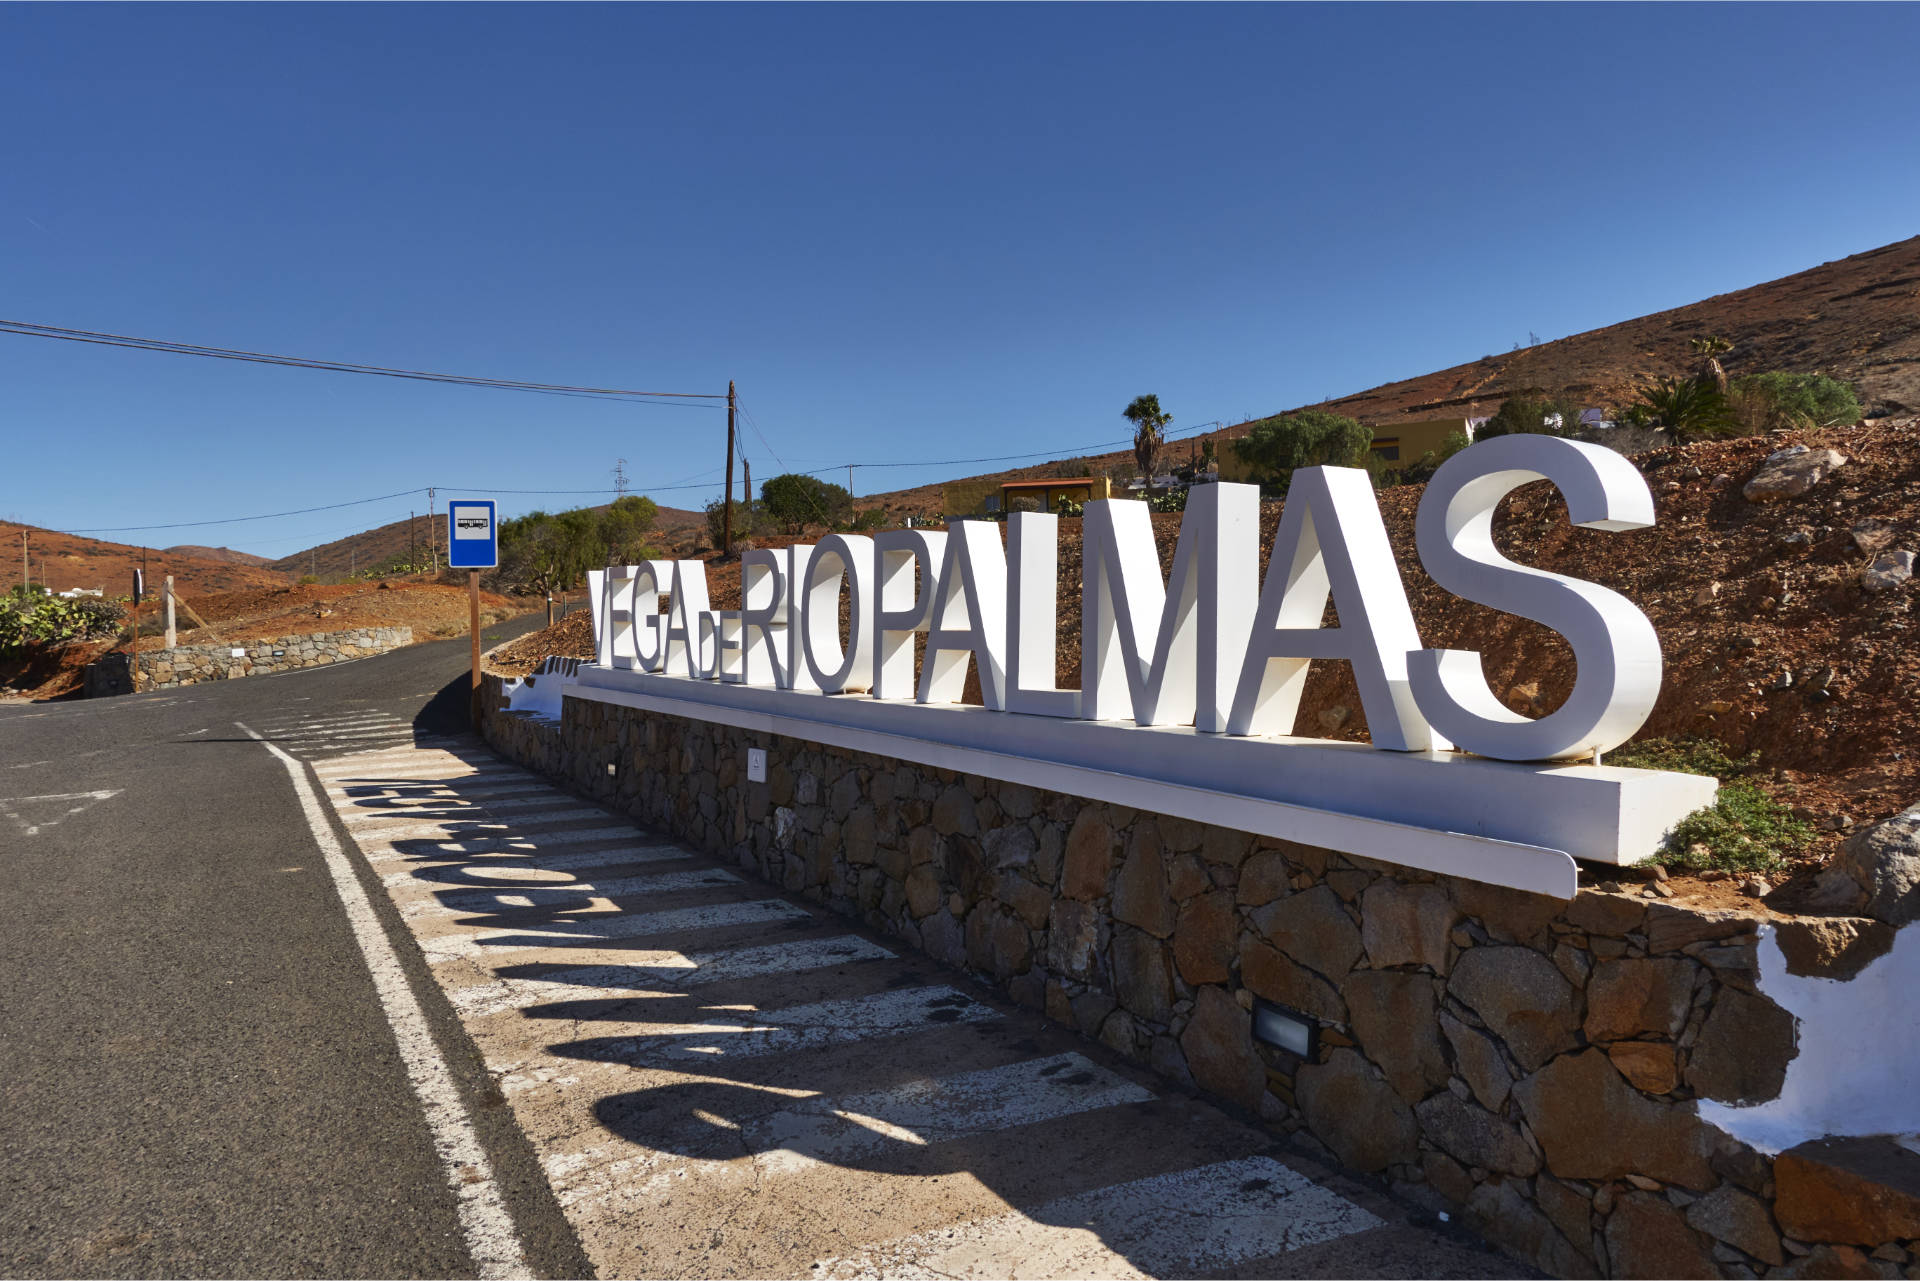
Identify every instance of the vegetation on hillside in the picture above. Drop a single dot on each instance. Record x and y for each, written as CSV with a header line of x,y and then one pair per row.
x,y
1276,447
30,617
796,500
1743,830
543,552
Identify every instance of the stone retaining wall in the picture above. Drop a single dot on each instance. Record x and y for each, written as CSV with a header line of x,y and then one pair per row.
x,y
193,664
1527,1063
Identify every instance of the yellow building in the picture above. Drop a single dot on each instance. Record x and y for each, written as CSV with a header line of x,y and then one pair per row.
x,y
1402,444
986,498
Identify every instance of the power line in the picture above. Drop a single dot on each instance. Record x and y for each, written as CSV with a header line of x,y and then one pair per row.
x,y
26,329
237,520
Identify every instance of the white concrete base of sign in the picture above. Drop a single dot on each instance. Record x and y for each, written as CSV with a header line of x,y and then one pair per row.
x,y
1518,825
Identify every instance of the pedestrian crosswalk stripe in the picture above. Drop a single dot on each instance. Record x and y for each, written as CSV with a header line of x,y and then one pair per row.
x,y
801,1028
854,1127
514,839
1185,1224
466,816
433,789
517,868
608,926
653,971
387,763
570,894
455,807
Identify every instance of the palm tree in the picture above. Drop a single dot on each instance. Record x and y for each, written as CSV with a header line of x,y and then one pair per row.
x,y
1710,349
1149,432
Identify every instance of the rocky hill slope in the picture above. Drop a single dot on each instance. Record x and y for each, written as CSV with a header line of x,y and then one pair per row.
x,y
69,560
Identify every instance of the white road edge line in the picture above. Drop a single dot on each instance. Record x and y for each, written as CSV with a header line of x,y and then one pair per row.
x,y
484,1220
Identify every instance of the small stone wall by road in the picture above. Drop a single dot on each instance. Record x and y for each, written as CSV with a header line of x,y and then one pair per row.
x,y
193,664
1529,1064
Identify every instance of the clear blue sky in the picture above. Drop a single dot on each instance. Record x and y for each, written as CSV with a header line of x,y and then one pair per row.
x,y
910,233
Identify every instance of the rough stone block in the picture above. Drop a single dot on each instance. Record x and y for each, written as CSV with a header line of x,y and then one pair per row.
x,y
1592,1125
1647,1237
1393,1016
1140,891
1351,1108
1480,1062
1314,929
1863,1191
1140,976
1089,857
1270,973
1218,1043
1404,924
1474,1136
1206,938
1522,998
1649,1065
1743,1049
1643,996
1075,935
1741,1220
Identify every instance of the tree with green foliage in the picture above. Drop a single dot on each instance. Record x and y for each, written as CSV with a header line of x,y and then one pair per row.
x,y
545,552
1770,401
1530,415
745,515
624,527
797,500
1310,438
1687,409
1149,433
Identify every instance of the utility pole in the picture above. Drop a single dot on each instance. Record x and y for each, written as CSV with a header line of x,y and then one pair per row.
x,y
746,499
849,480
433,542
26,580
412,565
726,511
619,479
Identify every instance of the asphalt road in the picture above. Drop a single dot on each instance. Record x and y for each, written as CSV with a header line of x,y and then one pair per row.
x,y
196,1074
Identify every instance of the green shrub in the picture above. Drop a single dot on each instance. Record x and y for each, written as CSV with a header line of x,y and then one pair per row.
x,y
870,519
37,619
1743,830
1170,500
1310,438
1526,415
1770,401
1688,409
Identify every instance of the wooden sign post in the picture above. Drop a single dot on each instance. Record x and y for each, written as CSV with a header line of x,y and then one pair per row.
x,y
473,544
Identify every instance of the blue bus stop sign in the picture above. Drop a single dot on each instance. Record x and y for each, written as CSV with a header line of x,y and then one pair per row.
x,y
473,534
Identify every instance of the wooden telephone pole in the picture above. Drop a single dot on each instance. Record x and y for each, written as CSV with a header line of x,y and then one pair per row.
x,y
726,512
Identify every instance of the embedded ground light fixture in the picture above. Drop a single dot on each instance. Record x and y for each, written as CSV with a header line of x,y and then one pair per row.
x,y
1288,1029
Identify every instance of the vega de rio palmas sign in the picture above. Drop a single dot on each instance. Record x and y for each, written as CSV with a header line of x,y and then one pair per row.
x,y
1190,686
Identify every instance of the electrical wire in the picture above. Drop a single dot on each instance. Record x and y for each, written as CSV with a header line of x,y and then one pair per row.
x,y
27,329
237,520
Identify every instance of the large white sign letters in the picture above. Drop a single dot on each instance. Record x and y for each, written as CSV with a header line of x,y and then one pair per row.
x,y
1211,646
